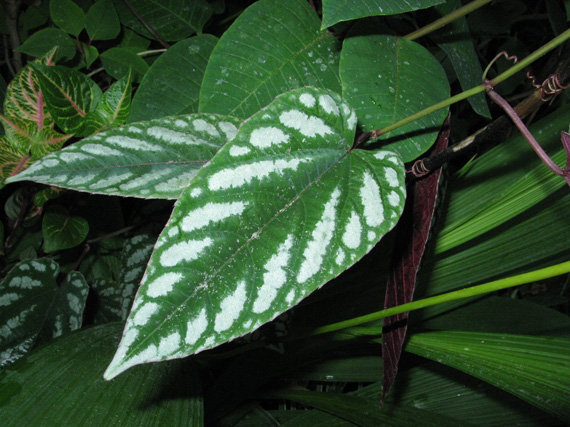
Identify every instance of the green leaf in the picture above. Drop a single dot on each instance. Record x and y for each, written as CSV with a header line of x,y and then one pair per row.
x,y
172,84
61,384
67,15
119,62
69,96
335,11
113,109
154,159
455,40
62,231
536,369
280,210
43,41
102,21
274,46
33,303
90,54
387,78
173,20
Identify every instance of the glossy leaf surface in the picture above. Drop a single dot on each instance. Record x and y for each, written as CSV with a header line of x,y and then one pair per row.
x,y
120,62
274,46
154,159
102,21
283,208
63,231
388,78
44,40
534,368
67,15
335,11
172,84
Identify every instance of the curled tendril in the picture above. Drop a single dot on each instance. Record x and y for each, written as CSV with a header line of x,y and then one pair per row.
x,y
419,169
549,87
513,58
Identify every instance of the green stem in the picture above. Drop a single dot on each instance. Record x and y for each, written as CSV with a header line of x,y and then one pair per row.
x,y
509,282
444,20
477,89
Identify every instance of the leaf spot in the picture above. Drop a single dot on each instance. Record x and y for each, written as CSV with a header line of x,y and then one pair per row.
x,y
169,135
353,231
327,103
392,177
239,150
308,126
267,136
100,150
394,198
231,307
144,313
196,327
274,277
322,235
203,126
163,284
370,197
308,100
211,212
184,251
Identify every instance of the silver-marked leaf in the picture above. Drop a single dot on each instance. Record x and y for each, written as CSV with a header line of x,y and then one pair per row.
x,y
335,11
274,46
154,159
280,210
31,303
387,78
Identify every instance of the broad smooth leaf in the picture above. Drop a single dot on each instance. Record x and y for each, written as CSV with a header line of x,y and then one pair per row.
x,y
44,40
69,96
173,20
102,21
172,84
67,15
60,384
113,109
283,208
120,62
387,78
62,231
536,369
335,11
411,242
154,159
274,46
33,304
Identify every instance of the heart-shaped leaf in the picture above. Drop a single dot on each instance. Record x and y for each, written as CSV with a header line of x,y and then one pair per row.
x,y
274,46
67,15
387,78
102,21
62,231
280,210
154,159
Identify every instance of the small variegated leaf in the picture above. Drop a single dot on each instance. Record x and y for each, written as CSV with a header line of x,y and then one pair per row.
x,y
32,304
280,210
154,159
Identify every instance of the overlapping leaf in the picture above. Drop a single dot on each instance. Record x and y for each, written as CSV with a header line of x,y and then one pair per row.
x,y
172,84
388,78
536,369
274,46
154,159
335,11
33,304
284,207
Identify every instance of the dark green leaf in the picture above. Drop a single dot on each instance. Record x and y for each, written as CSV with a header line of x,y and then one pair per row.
x,y
274,46
172,84
119,62
90,54
67,16
536,369
62,231
280,210
387,78
62,384
335,11
102,21
44,40
173,20
113,109
154,159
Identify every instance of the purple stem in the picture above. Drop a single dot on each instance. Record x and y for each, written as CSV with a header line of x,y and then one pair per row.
x,y
501,102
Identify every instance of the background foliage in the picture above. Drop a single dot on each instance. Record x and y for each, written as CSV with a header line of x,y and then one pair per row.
x,y
246,114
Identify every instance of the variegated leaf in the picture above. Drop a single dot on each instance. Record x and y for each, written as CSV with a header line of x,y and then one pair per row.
x,y
283,208
154,159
